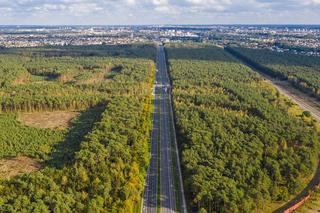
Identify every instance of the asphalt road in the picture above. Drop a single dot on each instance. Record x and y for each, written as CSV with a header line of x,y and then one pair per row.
x,y
164,145
151,185
163,137
167,189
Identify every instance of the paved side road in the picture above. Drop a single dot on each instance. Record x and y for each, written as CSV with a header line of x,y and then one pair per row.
x,y
163,137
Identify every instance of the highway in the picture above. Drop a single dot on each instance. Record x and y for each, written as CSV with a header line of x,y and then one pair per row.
x,y
163,150
151,186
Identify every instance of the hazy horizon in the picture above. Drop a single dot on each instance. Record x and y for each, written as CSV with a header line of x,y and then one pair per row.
x,y
161,25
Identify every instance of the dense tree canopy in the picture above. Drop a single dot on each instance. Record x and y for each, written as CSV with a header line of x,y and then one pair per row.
x,y
58,83
241,149
99,163
302,71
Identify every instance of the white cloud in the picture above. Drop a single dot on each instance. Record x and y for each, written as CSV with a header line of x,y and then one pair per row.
x,y
312,2
162,9
81,8
156,11
49,7
131,2
160,2
208,2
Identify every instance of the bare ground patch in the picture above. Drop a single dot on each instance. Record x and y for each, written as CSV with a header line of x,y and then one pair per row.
x,y
303,100
18,165
21,80
47,120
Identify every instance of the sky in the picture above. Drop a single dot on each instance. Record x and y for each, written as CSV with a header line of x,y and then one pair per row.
x,y
123,12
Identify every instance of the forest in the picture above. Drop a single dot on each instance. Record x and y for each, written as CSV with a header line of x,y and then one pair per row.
x,y
242,147
99,163
38,83
301,71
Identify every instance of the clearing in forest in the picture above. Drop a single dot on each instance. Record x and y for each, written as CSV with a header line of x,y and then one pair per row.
x,y
18,165
47,120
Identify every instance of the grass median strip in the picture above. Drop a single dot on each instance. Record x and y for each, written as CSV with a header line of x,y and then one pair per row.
x,y
159,159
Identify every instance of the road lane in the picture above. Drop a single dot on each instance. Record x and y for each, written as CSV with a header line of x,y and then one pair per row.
x,y
163,134
150,196
167,198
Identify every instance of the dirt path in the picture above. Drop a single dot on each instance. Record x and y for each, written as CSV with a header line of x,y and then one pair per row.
x,y
305,101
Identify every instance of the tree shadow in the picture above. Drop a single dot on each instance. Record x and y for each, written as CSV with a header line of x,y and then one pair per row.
x,y
64,152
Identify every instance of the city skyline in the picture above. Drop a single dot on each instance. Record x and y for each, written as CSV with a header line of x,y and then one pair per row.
x,y
133,12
